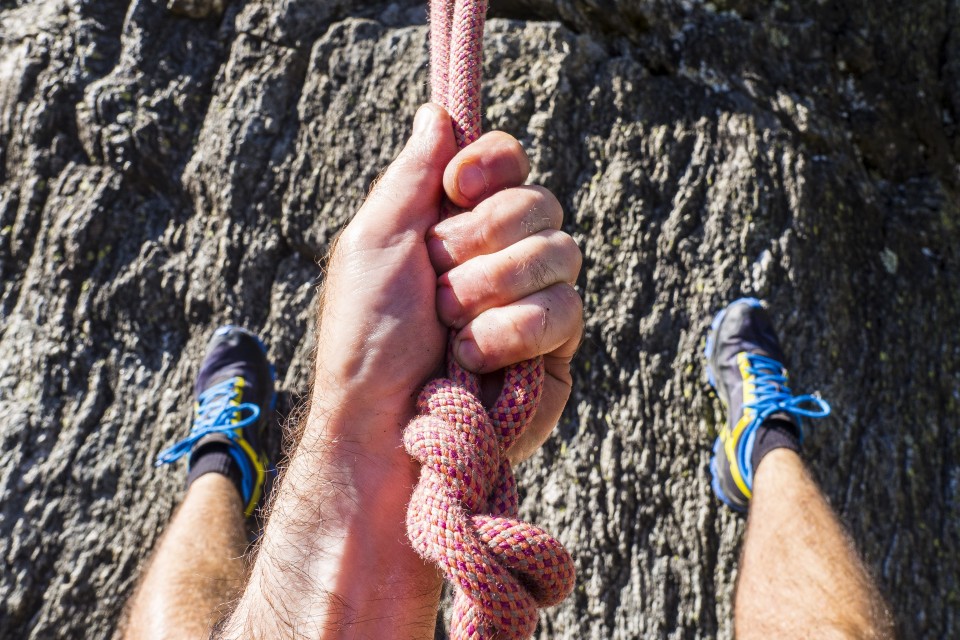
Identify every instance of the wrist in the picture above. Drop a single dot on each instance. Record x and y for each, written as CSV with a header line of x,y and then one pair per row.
x,y
354,419
335,548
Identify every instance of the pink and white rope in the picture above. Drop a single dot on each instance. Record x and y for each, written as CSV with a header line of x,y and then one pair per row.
x,y
463,513
456,62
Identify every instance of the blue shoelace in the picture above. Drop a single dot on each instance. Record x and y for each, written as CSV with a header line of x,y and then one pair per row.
x,y
772,395
215,414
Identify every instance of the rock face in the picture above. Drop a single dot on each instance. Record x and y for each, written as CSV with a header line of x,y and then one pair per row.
x,y
161,175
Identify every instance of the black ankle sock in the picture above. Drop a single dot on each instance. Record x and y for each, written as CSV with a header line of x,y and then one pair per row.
x,y
775,433
215,458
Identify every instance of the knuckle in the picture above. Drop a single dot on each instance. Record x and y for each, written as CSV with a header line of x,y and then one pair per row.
x,y
539,272
562,252
566,300
542,210
547,208
515,213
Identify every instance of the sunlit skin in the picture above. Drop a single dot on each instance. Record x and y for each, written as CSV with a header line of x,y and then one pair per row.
x,y
797,555
334,560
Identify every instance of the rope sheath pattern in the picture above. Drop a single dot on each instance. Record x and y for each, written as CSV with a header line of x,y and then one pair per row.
x,y
456,62
463,512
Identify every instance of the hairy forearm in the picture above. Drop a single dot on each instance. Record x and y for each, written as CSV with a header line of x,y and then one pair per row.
x,y
334,560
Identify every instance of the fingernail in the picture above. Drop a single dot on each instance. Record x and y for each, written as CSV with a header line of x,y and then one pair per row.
x,y
469,355
421,122
448,305
471,181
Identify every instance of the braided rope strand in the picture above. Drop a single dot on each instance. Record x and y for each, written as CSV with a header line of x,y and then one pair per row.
x,y
463,512
456,62
441,19
466,68
503,569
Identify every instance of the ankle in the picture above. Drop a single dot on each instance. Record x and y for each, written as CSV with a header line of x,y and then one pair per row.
x,y
215,458
774,434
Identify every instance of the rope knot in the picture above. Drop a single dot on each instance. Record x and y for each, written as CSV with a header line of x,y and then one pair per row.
x,y
453,438
463,514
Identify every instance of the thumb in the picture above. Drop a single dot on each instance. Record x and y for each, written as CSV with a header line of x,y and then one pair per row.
x,y
408,194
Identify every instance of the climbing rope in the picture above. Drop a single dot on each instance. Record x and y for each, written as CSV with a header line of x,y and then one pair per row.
x,y
463,513
456,62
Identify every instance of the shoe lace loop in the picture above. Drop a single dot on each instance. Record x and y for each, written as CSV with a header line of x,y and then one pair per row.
x,y
217,412
772,395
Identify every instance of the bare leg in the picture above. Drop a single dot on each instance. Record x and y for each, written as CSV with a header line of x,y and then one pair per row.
x,y
197,570
800,576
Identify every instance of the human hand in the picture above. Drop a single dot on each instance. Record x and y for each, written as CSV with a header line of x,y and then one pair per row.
x,y
506,275
502,274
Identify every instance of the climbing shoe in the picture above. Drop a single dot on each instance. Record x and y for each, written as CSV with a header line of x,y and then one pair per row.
x,y
744,366
235,394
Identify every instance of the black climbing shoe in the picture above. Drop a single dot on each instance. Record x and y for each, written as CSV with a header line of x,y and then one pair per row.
x,y
235,393
744,367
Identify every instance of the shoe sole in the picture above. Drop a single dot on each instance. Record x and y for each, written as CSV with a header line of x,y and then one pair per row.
x,y
711,378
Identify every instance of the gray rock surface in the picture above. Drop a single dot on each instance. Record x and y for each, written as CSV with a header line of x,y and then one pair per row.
x,y
160,175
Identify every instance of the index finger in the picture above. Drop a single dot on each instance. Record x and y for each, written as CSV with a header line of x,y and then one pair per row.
x,y
494,162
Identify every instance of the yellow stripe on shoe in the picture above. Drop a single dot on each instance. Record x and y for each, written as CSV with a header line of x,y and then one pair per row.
x,y
260,468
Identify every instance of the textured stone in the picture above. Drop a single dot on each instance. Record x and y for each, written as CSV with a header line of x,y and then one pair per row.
x,y
161,175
